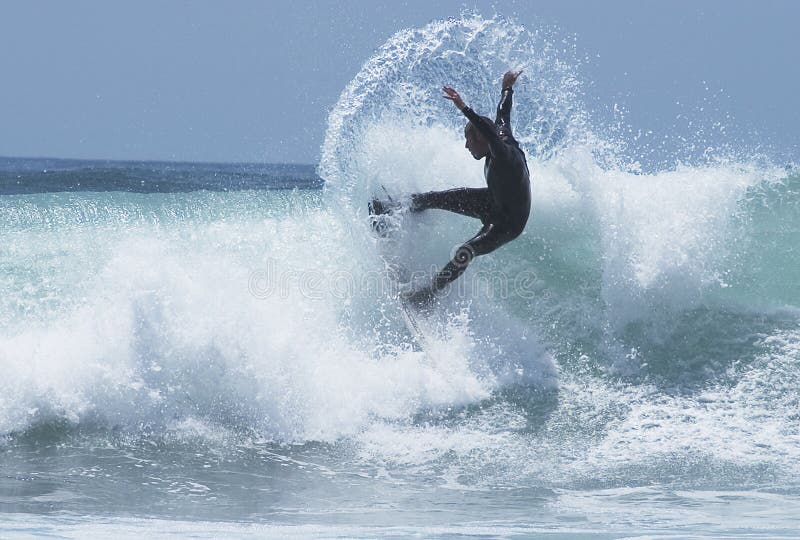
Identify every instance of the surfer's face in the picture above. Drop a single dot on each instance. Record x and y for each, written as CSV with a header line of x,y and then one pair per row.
x,y
476,144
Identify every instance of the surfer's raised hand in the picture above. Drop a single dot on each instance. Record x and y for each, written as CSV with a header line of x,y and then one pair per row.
x,y
453,96
510,78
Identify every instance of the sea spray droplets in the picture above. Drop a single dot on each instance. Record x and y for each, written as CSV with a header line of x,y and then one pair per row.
x,y
402,82
161,328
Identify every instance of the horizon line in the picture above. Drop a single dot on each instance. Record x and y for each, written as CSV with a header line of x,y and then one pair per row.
x,y
173,161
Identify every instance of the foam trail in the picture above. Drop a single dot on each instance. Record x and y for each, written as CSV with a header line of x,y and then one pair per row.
x,y
237,323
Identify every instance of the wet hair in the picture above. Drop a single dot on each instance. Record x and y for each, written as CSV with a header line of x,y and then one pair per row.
x,y
471,128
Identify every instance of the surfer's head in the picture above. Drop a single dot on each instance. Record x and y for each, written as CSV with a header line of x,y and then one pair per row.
x,y
477,145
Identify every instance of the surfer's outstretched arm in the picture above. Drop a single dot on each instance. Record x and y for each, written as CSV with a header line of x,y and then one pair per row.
x,y
484,125
503,118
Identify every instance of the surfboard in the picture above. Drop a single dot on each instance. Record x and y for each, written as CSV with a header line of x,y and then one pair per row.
x,y
386,227
412,322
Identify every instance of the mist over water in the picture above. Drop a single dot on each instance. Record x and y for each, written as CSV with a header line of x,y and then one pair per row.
x,y
227,342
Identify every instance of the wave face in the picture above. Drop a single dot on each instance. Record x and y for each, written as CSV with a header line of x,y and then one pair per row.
x,y
644,328
661,295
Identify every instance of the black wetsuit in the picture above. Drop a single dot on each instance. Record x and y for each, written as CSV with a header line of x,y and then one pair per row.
x,y
503,207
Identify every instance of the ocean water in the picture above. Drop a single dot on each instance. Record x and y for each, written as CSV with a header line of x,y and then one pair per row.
x,y
215,350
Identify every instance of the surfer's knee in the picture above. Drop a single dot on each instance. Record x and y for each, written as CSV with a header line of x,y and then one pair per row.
x,y
499,236
484,246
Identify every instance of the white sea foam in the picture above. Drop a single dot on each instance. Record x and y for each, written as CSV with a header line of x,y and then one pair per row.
x,y
248,312
170,329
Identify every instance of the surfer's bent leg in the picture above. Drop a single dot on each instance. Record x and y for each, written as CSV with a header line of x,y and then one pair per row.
x,y
486,241
472,202
489,238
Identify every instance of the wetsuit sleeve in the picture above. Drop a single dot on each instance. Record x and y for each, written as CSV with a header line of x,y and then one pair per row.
x,y
487,130
503,120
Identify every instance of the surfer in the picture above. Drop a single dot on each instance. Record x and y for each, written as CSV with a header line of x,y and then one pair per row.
x,y
503,206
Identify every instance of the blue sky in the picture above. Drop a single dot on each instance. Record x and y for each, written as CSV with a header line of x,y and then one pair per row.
x,y
254,81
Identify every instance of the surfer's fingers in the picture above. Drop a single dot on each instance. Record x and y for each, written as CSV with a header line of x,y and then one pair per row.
x,y
510,77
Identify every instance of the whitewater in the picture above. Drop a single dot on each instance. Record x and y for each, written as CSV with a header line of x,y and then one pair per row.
x,y
215,350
